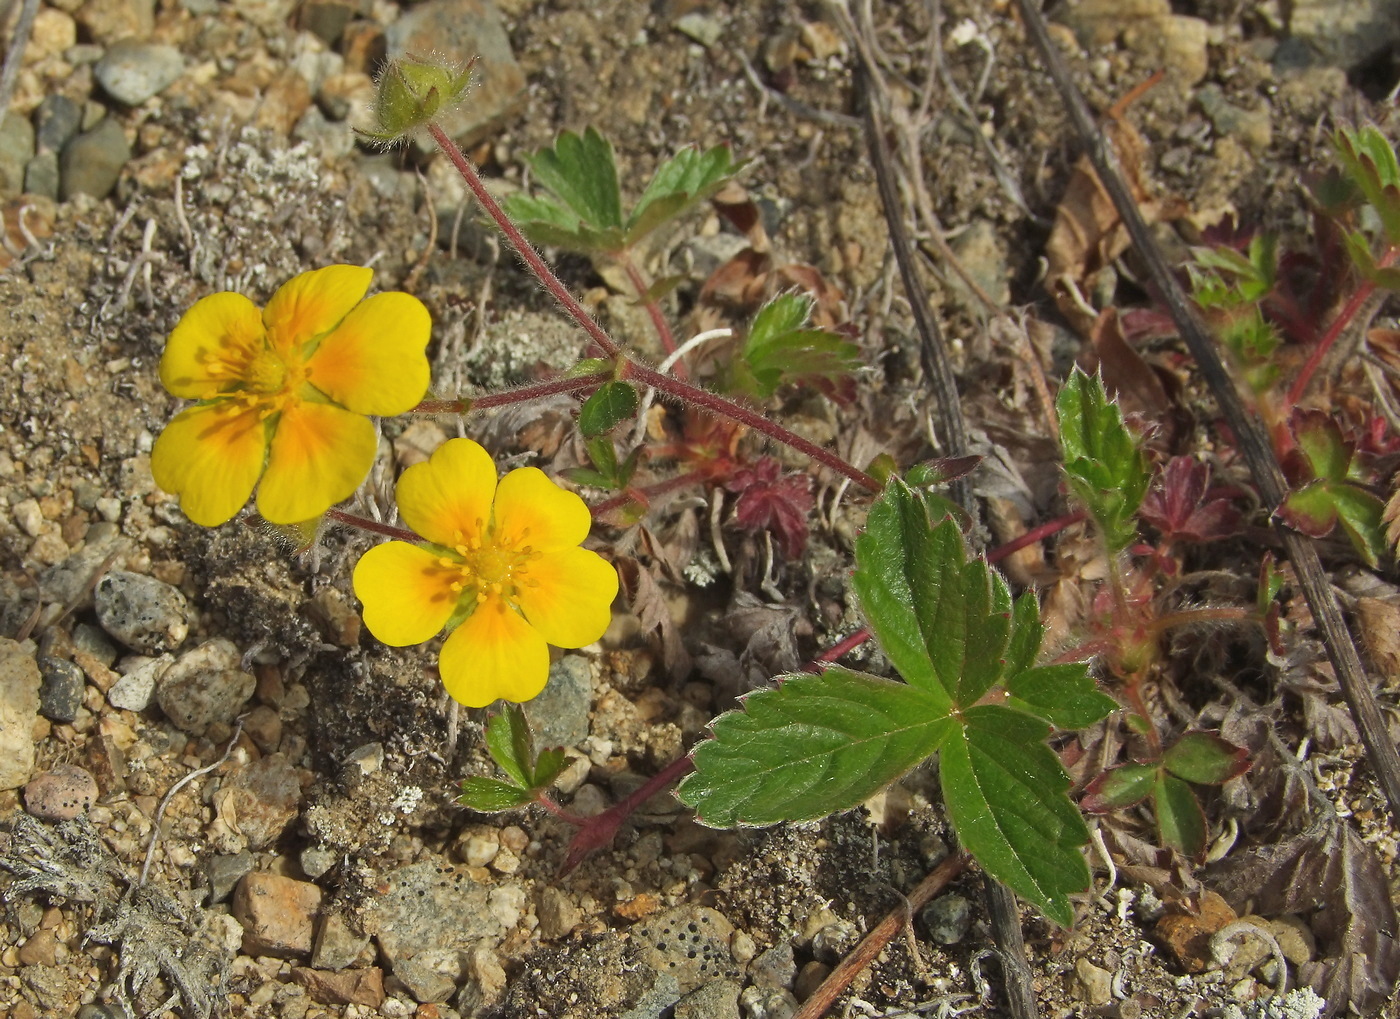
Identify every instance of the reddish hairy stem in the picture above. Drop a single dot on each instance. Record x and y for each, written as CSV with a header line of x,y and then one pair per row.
x,y
1225,614
1343,319
1034,535
648,491
596,832
373,526
842,647
563,384
658,320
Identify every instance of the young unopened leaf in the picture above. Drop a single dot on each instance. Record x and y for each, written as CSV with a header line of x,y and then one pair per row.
x,y
1205,758
780,349
682,182
611,403
1106,469
810,747
489,795
1005,792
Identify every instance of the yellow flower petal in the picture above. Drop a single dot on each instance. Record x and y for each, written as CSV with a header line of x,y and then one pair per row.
x,y
494,653
373,362
211,456
312,304
448,499
568,595
532,510
319,455
210,346
406,592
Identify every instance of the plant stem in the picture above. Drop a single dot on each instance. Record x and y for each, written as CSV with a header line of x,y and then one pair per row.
x,y
648,491
1339,324
597,831
373,526
630,366
658,320
842,647
523,394
1186,617
1034,535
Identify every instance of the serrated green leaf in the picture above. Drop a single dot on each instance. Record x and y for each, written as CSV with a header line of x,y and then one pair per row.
x,y
611,403
1320,439
1180,821
1026,633
1369,161
603,454
1361,515
581,172
1105,466
1205,758
1309,509
682,182
1120,787
547,767
508,743
780,349
591,478
810,747
490,795
1006,793
1064,695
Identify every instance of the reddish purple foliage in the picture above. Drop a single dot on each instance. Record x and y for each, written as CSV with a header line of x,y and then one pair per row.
x,y
1179,507
772,501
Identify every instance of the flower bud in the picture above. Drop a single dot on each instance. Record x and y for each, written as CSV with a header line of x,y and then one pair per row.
x,y
413,91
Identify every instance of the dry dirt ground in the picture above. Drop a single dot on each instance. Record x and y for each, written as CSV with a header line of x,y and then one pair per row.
x,y
85,313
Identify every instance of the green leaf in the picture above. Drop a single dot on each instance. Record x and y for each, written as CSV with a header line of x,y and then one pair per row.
x,y
1205,758
508,742
1124,786
1368,159
682,182
780,349
1309,509
1361,514
1065,695
1106,469
1007,795
1180,821
489,794
582,173
547,767
812,746
610,404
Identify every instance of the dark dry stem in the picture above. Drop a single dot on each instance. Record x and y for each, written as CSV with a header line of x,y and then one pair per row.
x,y
874,943
683,391
372,526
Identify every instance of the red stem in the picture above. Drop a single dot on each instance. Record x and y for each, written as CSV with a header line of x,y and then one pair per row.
x,y
373,526
1034,535
842,647
658,320
647,492
1343,319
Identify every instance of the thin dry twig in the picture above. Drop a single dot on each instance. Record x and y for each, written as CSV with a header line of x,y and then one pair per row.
x,y
1250,436
15,54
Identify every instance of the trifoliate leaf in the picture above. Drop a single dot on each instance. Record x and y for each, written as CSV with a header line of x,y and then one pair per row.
x,y
1006,793
583,211
547,767
508,742
682,182
810,747
1105,466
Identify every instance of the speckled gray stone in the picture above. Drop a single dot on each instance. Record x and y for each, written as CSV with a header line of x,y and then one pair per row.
x,y
656,1000
61,793
718,999
61,688
337,944
559,715
775,967
133,692
131,72
145,614
91,162
205,686
689,942
948,918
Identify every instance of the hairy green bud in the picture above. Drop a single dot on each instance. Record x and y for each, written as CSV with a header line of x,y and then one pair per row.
x,y
413,91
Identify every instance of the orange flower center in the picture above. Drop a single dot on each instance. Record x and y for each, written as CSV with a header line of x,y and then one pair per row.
x,y
264,380
490,568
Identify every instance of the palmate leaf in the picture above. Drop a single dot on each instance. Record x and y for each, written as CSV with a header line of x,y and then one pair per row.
x,y
811,746
781,349
681,183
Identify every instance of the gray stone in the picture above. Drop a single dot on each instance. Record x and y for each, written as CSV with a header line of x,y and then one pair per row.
x,y
145,614
56,121
317,860
70,582
133,692
60,794
60,689
16,149
1345,33
19,707
558,915
768,1003
337,944
466,27
1253,128
701,27
689,942
92,161
224,872
948,918
719,999
655,1000
132,72
775,967
558,717
205,686
427,916
41,175
94,641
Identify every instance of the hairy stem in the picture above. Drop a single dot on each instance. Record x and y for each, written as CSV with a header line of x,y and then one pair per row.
x,y
658,320
372,526
1339,324
648,492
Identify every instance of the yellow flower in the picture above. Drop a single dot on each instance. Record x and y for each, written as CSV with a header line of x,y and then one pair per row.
x,y
283,394
501,563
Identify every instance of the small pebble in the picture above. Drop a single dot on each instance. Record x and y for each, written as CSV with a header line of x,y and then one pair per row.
x,y
948,918
317,860
91,162
145,614
61,688
60,794
131,72
133,692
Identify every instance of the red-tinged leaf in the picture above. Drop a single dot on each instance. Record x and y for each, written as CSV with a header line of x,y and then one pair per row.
x,y
1119,787
771,501
1310,509
1177,504
1328,452
1205,758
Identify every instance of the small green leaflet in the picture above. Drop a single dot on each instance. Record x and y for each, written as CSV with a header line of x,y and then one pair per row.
x,y
1369,162
781,348
1333,497
1104,465
583,210
511,746
611,403
817,744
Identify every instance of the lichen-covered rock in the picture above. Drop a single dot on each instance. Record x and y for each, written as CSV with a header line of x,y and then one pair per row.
x,y
60,794
145,614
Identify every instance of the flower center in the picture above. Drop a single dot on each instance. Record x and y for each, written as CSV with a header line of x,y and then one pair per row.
x,y
265,372
491,569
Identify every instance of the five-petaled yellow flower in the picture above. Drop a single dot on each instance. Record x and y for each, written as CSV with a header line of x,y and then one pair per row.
x,y
501,562
284,394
